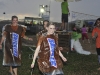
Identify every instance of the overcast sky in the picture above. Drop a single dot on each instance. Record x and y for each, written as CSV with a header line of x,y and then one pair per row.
x,y
23,8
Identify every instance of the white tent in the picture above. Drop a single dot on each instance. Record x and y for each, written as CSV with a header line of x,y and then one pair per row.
x,y
68,0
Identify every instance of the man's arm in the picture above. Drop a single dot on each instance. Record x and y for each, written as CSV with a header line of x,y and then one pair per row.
x,y
94,34
61,55
68,9
3,38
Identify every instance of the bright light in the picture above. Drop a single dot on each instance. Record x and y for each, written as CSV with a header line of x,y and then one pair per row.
x,y
42,10
43,6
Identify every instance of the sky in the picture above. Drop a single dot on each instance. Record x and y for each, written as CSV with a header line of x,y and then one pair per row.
x,y
30,8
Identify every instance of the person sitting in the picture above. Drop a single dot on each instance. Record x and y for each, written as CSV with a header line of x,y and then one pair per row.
x,y
75,43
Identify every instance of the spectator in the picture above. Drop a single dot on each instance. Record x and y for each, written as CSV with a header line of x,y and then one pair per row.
x,y
65,12
96,35
45,23
84,31
75,43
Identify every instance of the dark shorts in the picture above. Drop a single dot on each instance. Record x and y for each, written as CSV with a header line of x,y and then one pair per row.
x,y
14,66
65,18
98,51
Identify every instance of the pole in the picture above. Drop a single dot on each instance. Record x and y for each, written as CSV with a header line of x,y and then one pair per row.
x,y
39,10
49,9
4,15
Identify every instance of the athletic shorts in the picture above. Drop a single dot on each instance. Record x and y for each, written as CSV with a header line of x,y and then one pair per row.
x,y
65,18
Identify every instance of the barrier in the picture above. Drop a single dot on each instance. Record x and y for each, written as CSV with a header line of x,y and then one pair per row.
x,y
64,39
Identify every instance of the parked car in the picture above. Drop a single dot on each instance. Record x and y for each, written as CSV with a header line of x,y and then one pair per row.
x,y
33,24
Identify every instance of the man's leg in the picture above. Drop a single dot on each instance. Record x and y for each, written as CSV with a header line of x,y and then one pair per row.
x,y
66,22
99,58
61,26
98,53
66,26
99,62
11,70
15,70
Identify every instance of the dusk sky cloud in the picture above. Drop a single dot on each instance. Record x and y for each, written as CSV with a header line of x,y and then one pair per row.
x,y
23,8
2,4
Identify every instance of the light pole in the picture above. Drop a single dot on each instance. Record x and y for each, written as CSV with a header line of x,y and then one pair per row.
x,y
41,10
4,15
49,9
46,6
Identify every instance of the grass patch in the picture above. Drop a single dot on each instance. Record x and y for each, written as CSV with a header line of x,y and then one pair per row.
x,y
76,65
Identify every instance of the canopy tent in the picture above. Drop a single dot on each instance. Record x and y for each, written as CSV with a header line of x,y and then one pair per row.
x,y
68,0
82,16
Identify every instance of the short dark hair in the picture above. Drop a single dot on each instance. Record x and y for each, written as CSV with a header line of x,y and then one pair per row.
x,y
14,17
84,25
45,21
96,21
